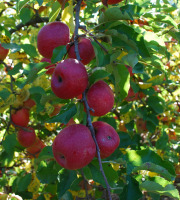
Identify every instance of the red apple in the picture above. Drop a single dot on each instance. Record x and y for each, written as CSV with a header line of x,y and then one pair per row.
x,y
50,36
3,52
56,110
20,117
35,149
69,79
100,98
74,147
29,103
110,2
86,50
26,137
107,138
50,68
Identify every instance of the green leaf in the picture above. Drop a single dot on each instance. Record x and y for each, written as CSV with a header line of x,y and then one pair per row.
x,y
131,191
122,80
21,4
56,7
156,103
23,182
134,10
9,143
99,54
98,75
16,69
66,113
155,187
58,53
45,154
135,37
130,59
37,89
29,49
33,73
13,46
138,68
154,168
65,180
163,142
136,158
25,15
111,175
47,172
113,14
4,94
40,2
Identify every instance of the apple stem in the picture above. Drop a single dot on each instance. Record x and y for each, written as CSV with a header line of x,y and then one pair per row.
x,y
84,99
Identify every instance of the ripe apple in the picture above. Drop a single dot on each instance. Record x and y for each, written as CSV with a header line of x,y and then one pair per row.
x,y
50,68
141,125
56,110
86,51
50,36
110,2
26,137
35,149
3,52
20,117
69,79
107,138
100,98
74,147
29,103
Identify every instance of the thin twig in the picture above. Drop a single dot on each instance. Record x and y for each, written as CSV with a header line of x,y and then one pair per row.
x,y
89,122
85,184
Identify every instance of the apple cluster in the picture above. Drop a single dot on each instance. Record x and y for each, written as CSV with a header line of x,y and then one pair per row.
x,y
74,147
26,135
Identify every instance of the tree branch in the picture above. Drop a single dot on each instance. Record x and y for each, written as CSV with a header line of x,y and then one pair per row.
x,y
89,122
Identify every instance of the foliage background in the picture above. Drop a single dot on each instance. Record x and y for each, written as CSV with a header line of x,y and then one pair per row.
x,y
141,34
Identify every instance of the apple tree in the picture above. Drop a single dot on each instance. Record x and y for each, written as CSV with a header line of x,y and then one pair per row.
x,y
89,99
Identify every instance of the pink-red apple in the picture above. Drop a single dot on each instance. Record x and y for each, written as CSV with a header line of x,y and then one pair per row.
x,y
20,117
35,149
74,147
107,138
3,52
69,79
130,70
26,137
86,51
50,36
100,98
132,96
50,68
29,103
110,2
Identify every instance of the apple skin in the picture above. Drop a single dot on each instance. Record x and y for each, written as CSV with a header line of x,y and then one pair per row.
x,y
50,68
110,2
74,147
21,117
29,103
26,138
3,52
86,51
69,79
107,138
62,1
35,149
50,36
130,70
100,98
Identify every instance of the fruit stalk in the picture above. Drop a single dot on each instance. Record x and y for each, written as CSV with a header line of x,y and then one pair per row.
x,y
84,99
